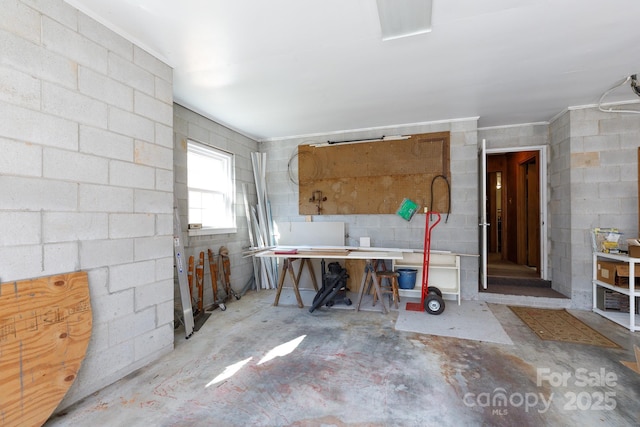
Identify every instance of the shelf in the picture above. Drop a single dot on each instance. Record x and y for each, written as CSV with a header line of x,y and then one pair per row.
x,y
629,320
432,265
619,289
444,273
417,293
618,257
411,293
620,318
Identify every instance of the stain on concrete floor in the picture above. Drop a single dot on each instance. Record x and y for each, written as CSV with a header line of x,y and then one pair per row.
x,y
354,369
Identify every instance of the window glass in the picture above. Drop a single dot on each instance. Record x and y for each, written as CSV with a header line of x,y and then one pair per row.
x,y
210,179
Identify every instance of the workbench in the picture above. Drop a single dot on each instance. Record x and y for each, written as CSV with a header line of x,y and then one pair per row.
x,y
290,254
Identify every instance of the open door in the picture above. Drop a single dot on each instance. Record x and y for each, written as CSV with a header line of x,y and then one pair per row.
x,y
513,236
529,206
482,170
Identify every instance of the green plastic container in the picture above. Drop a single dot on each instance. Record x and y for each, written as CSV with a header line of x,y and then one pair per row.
x,y
407,209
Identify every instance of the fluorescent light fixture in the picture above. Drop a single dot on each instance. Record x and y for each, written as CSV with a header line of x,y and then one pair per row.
x,y
404,18
358,141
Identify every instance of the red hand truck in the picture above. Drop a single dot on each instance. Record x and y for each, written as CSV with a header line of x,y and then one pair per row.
x,y
431,298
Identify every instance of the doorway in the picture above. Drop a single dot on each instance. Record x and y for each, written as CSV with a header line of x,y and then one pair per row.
x,y
514,217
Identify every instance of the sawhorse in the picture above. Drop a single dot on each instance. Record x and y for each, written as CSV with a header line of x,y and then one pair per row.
x,y
287,265
370,277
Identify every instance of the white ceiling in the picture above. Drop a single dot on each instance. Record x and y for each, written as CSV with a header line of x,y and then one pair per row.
x,y
284,68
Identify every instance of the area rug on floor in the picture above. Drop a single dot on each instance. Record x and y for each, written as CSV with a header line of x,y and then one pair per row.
x,y
560,325
472,320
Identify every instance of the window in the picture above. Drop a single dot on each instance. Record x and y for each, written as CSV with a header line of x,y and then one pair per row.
x,y
210,179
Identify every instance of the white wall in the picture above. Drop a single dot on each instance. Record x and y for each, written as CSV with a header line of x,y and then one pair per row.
x,y
459,234
86,177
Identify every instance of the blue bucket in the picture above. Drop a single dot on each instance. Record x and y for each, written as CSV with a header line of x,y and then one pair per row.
x,y
407,278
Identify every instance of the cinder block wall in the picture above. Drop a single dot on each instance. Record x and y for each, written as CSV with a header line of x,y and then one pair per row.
x,y
86,177
459,234
560,204
603,159
191,125
516,136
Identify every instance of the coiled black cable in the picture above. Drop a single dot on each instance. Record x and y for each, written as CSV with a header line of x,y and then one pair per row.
x,y
446,180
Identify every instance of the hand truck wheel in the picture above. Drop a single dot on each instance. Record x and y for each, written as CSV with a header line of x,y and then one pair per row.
x,y
433,289
434,304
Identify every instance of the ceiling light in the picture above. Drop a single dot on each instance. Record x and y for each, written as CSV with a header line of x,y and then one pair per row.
x,y
404,18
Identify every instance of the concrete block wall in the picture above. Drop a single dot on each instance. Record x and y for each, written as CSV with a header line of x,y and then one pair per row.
x,y
191,125
459,234
560,204
86,177
603,161
516,136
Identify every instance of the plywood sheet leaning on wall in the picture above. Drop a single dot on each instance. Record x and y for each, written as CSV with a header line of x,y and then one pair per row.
x,y
374,177
45,326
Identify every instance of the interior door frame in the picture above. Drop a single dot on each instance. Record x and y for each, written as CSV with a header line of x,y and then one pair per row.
x,y
544,249
482,196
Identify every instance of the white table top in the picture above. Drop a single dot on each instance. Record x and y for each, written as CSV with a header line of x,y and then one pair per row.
x,y
338,252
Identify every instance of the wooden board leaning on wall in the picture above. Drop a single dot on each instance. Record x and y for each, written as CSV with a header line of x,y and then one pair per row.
x,y
374,177
45,328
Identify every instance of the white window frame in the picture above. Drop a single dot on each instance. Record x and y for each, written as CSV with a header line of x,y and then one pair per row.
x,y
225,188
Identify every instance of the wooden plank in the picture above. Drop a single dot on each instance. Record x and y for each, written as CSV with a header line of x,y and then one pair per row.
x,y
326,253
374,177
45,327
358,254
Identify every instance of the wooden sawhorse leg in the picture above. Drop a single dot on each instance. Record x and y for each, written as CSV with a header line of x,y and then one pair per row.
x,y
369,277
287,265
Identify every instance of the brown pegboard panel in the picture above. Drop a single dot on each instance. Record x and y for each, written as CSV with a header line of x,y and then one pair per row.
x,y
373,177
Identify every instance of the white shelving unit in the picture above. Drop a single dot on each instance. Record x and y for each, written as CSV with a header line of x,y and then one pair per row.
x,y
444,273
628,320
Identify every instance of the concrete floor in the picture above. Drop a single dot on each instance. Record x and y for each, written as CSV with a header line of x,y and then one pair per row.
x,y
338,367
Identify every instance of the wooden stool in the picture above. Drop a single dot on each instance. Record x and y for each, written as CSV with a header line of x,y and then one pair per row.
x,y
390,288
